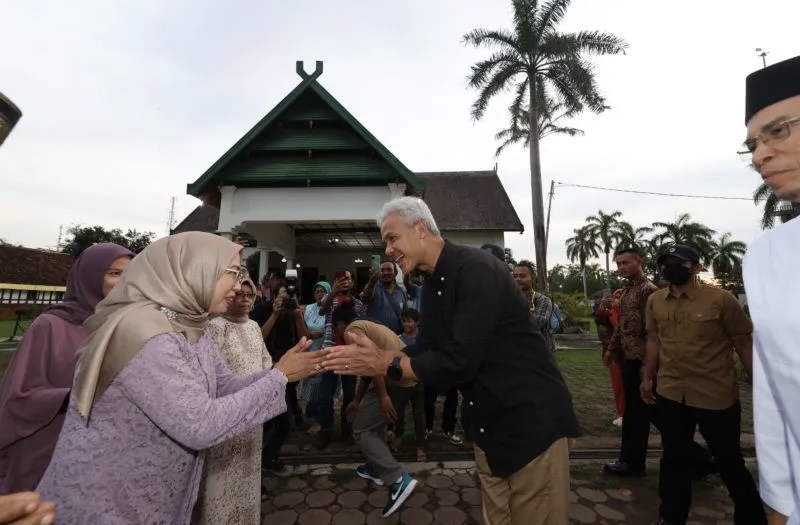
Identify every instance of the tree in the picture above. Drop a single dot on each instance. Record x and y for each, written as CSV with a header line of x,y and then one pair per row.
x,y
533,58
582,247
685,231
726,262
608,230
79,238
631,237
774,208
549,114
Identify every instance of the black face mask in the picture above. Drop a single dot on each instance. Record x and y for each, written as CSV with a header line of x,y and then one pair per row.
x,y
676,274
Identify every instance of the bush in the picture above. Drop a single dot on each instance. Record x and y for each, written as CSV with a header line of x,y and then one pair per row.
x,y
574,307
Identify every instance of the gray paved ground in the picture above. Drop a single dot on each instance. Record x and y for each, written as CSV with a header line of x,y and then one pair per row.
x,y
449,495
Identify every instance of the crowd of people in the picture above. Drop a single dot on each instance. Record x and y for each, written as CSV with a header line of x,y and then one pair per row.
x,y
161,386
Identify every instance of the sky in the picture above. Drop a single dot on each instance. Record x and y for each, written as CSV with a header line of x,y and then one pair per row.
x,y
126,102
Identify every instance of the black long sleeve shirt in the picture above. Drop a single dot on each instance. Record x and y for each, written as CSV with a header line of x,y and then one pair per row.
x,y
477,332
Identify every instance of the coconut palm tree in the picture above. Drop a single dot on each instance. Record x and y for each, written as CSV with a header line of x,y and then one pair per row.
x,y
582,247
774,208
535,57
633,237
725,260
685,231
550,113
608,230
726,254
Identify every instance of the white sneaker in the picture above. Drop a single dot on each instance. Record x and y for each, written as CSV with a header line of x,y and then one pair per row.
x,y
617,422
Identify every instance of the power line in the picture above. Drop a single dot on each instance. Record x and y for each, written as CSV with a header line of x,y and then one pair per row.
x,y
718,197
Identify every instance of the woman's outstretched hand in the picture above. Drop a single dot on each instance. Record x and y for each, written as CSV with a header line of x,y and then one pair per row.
x,y
299,363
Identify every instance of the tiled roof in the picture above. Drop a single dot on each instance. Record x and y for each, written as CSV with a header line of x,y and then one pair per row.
x,y
33,266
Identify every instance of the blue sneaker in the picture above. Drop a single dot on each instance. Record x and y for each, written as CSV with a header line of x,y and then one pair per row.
x,y
398,493
367,472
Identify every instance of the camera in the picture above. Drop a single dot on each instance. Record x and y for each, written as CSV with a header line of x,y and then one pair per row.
x,y
290,303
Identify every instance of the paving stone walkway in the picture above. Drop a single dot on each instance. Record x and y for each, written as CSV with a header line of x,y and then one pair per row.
x,y
449,495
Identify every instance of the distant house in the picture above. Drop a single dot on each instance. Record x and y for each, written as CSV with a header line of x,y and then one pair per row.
x,y
305,185
29,276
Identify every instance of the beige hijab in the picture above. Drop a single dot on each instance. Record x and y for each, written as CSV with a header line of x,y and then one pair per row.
x,y
179,273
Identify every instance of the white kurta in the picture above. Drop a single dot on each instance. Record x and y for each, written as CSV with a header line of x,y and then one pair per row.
x,y
772,282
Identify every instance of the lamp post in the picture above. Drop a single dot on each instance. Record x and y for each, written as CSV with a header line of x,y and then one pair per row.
x,y
9,116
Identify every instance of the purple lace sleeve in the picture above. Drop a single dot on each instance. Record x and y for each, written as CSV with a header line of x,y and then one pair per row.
x,y
173,393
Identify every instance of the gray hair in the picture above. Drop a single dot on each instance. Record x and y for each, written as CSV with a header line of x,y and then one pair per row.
x,y
412,210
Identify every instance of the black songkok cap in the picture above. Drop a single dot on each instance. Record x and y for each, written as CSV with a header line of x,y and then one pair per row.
x,y
770,85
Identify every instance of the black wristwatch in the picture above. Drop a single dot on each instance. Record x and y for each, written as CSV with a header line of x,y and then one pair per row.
x,y
395,371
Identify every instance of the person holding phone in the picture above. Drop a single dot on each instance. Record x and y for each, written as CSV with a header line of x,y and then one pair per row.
x,y
341,293
384,299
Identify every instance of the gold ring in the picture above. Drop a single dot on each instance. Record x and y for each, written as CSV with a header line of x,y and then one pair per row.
x,y
346,366
318,367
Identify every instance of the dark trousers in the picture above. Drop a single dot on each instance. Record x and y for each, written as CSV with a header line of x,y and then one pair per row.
x,y
466,419
637,420
292,404
327,391
448,411
402,397
280,427
721,430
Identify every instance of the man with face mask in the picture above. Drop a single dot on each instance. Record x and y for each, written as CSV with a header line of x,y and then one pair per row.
x,y
692,331
772,116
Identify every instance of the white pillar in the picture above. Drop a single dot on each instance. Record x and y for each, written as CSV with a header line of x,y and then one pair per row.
x,y
263,262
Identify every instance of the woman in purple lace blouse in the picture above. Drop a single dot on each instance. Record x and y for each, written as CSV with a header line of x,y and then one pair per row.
x,y
152,392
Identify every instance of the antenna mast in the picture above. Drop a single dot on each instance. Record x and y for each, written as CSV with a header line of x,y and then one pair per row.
x,y
60,234
171,218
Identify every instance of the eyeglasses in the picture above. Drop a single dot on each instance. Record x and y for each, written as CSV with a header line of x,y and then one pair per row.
x,y
240,273
778,132
248,296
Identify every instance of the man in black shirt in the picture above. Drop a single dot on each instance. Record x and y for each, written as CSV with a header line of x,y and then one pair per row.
x,y
477,332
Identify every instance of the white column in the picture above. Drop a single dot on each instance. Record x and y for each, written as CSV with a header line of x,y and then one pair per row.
x,y
263,262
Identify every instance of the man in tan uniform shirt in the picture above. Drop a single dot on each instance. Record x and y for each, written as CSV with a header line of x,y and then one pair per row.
x,y
692,332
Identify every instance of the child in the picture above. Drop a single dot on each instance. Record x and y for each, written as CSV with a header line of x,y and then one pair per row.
x,y
371,410
409,392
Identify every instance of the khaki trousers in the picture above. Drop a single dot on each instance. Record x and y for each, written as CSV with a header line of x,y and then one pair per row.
x,y
537,494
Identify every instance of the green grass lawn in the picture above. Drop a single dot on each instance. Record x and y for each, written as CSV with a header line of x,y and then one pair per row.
x,y
588,380
590,384
7,328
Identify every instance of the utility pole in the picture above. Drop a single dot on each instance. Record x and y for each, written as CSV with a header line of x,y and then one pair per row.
x,y
171,217
549,205
547,225
763,54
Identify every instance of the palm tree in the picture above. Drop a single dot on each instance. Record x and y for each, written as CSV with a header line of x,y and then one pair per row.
x,y
633,237
549,112
582,247
774,207
726,255
608,230
684,231
535,57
